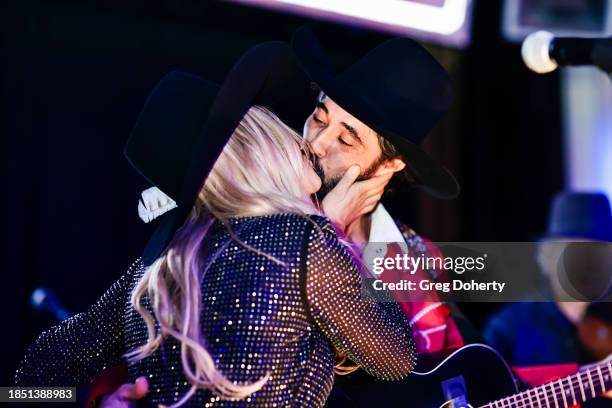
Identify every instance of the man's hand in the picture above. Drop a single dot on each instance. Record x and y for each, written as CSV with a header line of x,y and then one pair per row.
x,y
126,395
349,200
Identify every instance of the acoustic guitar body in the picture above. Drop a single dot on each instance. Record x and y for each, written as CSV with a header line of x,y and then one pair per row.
x,y
471,376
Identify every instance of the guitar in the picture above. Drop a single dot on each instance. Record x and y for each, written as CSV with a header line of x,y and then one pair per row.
x,y
472,376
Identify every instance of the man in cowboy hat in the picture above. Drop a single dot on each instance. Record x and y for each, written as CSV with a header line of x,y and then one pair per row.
x,y
366,126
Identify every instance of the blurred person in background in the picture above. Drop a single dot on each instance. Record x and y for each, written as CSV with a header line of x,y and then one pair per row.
x,y
547,340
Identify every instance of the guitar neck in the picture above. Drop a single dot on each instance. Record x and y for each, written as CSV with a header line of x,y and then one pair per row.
x,y
563,393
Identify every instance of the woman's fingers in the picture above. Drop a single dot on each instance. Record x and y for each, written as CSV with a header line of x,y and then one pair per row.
x,y
348,179
369,204
134,391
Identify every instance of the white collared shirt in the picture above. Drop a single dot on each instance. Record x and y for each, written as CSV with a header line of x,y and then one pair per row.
x,y
383,227
383,230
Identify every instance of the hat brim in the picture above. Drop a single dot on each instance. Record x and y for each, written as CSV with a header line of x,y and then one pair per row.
x,y
430,175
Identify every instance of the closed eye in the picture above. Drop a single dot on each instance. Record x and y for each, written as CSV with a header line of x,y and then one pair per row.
x,y
317,120
343,142
353,132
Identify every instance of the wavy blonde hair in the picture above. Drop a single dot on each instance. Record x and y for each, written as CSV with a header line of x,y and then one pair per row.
x,y
259,172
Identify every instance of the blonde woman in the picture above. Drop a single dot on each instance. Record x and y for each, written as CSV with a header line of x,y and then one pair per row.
x,y
254,296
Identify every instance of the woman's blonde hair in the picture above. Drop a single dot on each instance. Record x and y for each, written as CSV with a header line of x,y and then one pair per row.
x,y
259,172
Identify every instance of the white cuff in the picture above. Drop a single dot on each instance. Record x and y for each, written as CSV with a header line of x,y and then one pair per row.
x,y
153,203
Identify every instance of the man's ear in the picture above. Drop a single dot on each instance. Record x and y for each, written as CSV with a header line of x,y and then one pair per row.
x,y
396,164
390,166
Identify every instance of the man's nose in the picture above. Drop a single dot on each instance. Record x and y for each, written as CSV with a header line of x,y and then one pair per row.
x,y
320,143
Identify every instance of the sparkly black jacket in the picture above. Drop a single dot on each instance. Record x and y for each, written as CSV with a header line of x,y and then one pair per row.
x,y
257,317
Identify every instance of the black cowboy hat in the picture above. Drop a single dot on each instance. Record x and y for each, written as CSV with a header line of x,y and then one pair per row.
x,y
187,120
398,89
582,215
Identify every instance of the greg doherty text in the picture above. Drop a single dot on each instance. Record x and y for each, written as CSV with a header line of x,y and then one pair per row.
x,y
427,285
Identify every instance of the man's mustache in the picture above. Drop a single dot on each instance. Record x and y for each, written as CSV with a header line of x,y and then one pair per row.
x,y
326,184
329,183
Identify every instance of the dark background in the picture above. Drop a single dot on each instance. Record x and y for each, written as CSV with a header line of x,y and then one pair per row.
x,y
74,75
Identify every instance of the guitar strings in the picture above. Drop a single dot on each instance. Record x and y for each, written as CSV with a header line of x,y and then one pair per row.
x,y
526,400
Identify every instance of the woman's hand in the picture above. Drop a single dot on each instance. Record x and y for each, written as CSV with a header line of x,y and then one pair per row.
x,y
352,199
126,395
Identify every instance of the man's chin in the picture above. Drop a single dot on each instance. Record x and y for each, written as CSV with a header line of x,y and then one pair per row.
x,y
327,183
326,187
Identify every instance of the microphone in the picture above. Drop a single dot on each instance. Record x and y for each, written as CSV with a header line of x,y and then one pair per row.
x,y
45,300
543,52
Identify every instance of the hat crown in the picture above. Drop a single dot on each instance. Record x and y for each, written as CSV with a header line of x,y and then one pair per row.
x,y
581,215
402,69
167,129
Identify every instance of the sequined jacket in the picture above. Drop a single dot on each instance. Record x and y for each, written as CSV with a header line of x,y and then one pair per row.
x,y
257,316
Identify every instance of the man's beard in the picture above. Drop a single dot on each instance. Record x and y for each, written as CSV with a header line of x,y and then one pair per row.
x,y
328,184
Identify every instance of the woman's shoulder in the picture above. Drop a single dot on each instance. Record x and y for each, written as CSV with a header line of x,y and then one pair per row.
x,y
316,226
291,220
